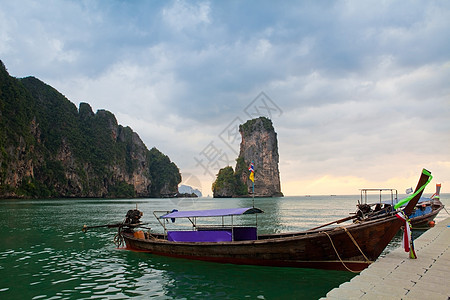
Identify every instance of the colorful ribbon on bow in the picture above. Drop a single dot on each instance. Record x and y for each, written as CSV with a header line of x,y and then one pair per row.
x,y
407,242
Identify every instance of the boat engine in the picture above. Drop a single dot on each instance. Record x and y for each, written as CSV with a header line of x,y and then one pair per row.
x,y
133,216
363,210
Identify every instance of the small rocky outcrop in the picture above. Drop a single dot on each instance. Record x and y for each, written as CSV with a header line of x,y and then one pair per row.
x,y
259,144
188,190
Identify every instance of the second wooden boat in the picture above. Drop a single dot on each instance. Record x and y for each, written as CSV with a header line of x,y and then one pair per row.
x,y
421,217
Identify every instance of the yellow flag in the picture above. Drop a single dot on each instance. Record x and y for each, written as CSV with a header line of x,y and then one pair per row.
x,y
252,176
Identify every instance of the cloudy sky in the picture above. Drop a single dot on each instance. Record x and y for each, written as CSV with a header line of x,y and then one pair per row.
x,y
358,91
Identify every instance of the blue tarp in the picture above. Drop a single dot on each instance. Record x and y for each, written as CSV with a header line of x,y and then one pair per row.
x,y
420,212
213,212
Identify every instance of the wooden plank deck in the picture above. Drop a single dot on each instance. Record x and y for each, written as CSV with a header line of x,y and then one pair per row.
x,y
395,276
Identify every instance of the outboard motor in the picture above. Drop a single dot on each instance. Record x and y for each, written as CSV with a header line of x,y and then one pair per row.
x,y
133,216
363,210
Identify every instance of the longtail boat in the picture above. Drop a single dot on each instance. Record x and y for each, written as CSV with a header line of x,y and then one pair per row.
x,y
426,210
352,247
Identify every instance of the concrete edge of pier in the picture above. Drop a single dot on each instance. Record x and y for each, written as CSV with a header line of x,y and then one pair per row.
x,y
396,276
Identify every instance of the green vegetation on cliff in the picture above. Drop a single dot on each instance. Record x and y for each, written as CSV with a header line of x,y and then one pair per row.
x,y
49,148
165,174
241,173
228,184
247,127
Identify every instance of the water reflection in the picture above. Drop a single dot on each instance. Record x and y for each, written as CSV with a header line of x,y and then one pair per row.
x,y
292,214
43,252
201,280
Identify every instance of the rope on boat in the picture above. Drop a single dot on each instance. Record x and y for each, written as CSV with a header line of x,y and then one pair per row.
x,y
335,250
118,238
342,262
132,219
356,244
446,210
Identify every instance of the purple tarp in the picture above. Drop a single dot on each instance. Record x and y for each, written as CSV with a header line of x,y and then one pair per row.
x,y
213,212
224,235
199,236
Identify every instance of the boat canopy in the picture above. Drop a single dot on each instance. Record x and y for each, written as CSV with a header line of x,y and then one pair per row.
x,y
212,212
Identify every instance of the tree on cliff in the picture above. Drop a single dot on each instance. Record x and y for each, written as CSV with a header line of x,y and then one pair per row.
x,y
164,173
228,184
49,148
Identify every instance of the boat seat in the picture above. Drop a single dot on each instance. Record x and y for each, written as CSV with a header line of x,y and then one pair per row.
x,y
245,233
200,236
214,235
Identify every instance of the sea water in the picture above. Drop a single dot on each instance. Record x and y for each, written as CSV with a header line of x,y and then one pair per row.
x,y
45,255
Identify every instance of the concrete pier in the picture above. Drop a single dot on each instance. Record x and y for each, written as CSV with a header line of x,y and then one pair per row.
x,y
396,276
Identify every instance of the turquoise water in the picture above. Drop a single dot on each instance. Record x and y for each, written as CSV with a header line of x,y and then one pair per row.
x,y
44,254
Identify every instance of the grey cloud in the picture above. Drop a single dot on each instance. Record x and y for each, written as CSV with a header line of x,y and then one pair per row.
x,y
354,79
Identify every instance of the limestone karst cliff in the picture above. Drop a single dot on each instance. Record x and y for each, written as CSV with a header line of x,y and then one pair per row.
x,y
259,144
51,149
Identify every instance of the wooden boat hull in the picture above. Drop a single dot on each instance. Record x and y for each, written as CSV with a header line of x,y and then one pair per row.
x,y
424,220
324,249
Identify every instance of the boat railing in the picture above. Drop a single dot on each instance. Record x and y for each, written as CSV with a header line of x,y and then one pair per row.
x,y
162,222
383,196
375,203
221,227
238,231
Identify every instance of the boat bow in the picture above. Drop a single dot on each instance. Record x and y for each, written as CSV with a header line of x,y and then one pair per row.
x,y
412,200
